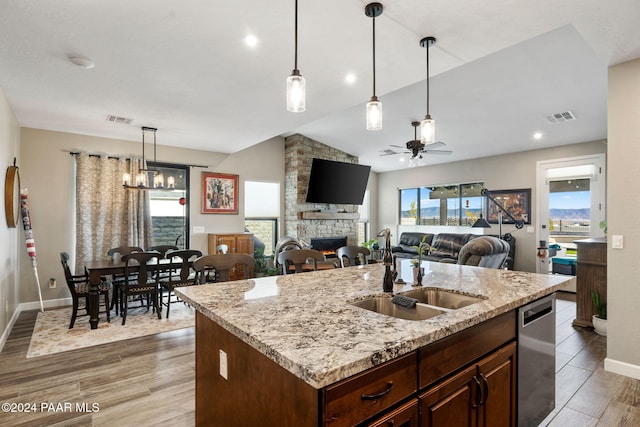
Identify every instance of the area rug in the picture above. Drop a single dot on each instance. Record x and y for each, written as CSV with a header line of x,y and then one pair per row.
x,y
51,333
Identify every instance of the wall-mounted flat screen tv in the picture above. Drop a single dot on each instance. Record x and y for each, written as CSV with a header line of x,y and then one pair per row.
x,y
337,182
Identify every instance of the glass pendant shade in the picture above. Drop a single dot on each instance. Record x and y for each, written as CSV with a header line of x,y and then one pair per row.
x,y
374,114
296,98
427,131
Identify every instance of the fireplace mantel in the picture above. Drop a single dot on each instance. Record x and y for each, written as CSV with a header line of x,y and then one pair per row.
x,y
328,215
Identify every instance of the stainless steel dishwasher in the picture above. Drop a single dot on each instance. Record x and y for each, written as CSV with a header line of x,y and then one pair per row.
x,y
536,360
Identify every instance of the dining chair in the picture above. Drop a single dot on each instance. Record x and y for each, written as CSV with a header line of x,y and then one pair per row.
x,y
181,273
79,288
299,259
220,265
144,283
117,280
352,254
162,249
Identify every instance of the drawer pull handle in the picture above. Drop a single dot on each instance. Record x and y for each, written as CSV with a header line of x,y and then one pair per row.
x,y
479,393
377,395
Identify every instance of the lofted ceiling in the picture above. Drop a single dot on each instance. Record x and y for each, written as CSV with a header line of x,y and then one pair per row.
x,y
497,70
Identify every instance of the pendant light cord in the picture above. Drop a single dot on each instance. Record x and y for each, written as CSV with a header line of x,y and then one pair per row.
x,y
374,56
295,60
427,79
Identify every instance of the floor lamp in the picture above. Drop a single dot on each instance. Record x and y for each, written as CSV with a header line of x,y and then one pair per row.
x,y
482,223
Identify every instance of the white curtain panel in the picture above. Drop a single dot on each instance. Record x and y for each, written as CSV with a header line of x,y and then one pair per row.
x,y
107,215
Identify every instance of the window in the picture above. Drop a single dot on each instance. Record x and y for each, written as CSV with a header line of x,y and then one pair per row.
x,y
570,207
170,209
458,204
262,212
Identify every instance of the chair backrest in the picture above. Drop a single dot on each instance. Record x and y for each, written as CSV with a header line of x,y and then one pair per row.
x,y
222,264
71,280
180,266
163,249
123,250
138,262
484,251
352,254
298,258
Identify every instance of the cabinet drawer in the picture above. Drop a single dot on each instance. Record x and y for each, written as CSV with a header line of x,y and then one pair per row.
x,y
364,395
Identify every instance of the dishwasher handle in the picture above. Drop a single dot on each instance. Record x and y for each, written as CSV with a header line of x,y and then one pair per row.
x,y
536,312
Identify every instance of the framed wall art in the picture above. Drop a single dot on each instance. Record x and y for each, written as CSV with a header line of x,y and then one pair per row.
x,y
516,202
219,193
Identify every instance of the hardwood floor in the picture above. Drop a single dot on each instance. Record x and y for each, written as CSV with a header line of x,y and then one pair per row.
x,y
150,381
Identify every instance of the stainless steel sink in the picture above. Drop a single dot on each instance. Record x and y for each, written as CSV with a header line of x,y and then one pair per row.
x,y
441,298
383,305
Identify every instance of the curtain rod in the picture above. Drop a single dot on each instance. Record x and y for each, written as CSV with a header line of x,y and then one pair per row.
x,y
75,153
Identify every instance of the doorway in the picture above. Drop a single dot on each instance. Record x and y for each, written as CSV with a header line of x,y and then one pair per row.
x,y
570,204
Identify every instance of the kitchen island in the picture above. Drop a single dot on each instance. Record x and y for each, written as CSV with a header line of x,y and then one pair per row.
x,y
294,350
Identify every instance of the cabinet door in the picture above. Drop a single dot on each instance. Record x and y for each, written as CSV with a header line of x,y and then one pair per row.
x,y
404,416
497,373
223,239
452,402
244,244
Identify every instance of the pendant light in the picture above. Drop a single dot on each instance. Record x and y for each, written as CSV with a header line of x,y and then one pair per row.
x,y
141,182
427,126
296,102
374,107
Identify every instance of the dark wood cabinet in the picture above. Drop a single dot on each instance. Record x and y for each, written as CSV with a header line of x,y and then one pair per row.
x,y
405,416
591,275
466,379
483,394
238,243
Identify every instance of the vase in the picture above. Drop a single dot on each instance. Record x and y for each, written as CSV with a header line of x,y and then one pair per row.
x,y
599,325
418,274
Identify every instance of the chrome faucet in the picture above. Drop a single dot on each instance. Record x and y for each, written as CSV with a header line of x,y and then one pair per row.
x,y
387,260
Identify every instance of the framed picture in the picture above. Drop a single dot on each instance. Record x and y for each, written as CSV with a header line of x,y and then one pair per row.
x,y
219,193
516,202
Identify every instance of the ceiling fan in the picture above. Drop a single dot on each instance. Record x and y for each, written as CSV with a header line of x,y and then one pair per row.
x,y
415,147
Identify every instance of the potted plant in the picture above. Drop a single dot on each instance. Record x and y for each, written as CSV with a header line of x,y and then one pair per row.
x,y
261,266
418,272
600,318
372,245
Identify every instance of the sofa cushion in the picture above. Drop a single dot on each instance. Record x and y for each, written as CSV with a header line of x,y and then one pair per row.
x,y
447,245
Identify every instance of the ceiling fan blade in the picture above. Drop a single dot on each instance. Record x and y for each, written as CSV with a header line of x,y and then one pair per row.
x,y
398,146
437,151
387,152
434,145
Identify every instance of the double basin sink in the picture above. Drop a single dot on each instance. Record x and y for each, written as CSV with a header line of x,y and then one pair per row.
x,y
431,302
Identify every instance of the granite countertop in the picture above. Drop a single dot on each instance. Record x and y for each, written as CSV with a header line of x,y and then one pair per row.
x,y
306,324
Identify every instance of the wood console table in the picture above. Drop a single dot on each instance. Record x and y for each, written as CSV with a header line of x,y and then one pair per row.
x,y
591,275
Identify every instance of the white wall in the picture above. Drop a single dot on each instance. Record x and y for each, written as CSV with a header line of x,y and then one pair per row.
x,y
48,172
509,171
623,205
11,238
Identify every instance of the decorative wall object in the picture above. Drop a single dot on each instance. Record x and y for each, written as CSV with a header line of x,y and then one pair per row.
x,y
517,202
219,193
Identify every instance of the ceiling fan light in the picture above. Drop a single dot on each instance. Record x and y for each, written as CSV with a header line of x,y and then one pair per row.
x,y
296,96
427,130
374,114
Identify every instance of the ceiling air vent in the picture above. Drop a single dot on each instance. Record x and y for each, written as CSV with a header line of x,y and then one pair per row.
x,y
565,116
118,119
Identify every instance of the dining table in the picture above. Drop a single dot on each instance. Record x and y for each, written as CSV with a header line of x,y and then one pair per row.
x,y
100,268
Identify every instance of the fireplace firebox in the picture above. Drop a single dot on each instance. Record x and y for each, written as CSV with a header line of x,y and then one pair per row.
x,y
328,245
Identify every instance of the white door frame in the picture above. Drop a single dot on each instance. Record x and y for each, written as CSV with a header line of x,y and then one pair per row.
x,y
598,196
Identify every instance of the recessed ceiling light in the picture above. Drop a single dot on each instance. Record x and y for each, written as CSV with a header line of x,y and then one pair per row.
x,y
350,78
537,135
81,61
251,40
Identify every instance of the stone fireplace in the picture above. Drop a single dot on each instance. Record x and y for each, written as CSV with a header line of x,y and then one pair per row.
x,y
311,220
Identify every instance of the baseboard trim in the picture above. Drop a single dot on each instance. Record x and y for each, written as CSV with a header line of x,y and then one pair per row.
x,y
7,330
50,303
622,368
